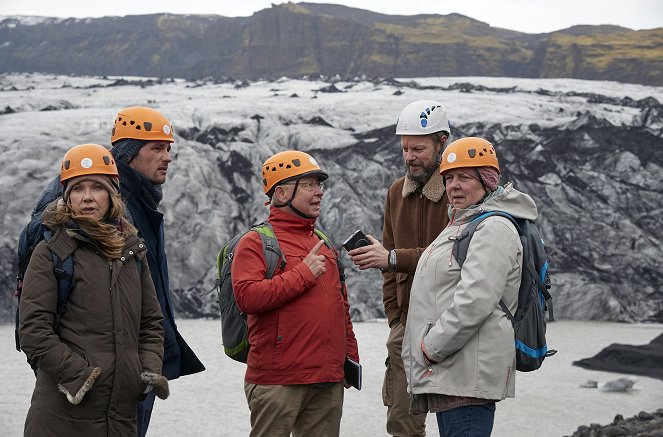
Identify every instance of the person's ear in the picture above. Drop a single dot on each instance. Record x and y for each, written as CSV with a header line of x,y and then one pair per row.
x,y
280,193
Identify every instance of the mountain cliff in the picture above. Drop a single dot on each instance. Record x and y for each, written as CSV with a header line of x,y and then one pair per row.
x,y
589,153
308,39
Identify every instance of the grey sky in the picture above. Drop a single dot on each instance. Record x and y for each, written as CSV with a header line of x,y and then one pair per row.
x,y
532,16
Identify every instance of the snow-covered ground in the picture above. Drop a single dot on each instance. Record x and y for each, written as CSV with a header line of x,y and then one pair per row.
x,y
548,403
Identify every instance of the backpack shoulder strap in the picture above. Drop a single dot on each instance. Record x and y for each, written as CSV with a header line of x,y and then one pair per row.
x,y
274,258
64,274
339,264
462,242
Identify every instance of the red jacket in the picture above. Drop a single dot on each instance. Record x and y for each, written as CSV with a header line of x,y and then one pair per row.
x,y
299,326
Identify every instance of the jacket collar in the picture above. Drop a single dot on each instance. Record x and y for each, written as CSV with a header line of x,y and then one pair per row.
x,y
62,244
290,222
433,190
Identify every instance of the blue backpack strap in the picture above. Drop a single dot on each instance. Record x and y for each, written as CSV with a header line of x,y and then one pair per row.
x,y
462,244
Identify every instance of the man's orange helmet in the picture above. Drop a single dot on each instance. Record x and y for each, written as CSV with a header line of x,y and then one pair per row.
x,y
287,166
141,123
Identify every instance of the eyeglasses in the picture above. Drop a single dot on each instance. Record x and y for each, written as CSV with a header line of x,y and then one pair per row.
x,y
309,186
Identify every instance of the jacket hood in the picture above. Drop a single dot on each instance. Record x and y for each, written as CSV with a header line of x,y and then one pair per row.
x,y
507,199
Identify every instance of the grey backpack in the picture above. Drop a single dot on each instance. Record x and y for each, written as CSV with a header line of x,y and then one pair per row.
x,y
534,299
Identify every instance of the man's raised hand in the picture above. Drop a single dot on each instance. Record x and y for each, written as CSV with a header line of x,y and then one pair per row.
x,y
314,261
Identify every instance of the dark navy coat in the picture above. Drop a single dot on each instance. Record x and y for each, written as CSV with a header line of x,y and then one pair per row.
x,y
178,359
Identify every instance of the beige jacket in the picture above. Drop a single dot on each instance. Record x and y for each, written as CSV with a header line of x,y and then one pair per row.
x,y
455,314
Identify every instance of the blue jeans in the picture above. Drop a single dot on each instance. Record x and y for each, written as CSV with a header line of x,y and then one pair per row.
x,y
470,421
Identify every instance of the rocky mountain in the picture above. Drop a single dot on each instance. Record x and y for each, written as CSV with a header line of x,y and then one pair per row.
x,y
308,39
589,152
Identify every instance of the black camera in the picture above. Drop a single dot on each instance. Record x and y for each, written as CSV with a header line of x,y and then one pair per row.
x,y
357,239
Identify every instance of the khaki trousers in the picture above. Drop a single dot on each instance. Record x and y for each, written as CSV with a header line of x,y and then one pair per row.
x,y
278,410
400,423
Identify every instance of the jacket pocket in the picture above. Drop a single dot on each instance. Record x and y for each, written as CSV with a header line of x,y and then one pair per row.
x,y
388,384
401,289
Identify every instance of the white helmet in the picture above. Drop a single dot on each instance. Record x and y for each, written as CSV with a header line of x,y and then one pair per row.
x,y
423,117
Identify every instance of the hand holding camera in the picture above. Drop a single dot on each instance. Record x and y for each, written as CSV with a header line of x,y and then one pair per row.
x,y
366,252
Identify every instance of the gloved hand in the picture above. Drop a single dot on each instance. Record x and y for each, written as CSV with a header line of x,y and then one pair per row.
x,y
87,385
159,383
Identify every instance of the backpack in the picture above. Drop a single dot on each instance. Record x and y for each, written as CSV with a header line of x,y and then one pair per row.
x,y
534,299
234,325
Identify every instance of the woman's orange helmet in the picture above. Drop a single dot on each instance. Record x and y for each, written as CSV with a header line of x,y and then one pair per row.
x,y
141,123
287,166
87,159
469,152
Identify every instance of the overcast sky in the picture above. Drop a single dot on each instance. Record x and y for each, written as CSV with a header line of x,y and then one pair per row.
x,y
532,16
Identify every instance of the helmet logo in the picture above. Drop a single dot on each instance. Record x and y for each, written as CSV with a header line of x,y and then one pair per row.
x,y
86,163
423,117
451,158
166,129
313,161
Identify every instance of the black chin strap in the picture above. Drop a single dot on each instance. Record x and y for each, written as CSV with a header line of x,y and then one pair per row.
x,y
289,203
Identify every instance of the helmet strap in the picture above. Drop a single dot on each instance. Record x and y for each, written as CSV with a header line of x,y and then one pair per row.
x,y
439,154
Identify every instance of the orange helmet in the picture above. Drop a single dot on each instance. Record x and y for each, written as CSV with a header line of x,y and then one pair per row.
x,y
469,152
287,166
87,159
141,123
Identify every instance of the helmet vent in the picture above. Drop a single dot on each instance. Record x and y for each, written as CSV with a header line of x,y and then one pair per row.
x,y
472,153
132,122
137,127
124,123
296,162
106,160
66,164
288,166
148,126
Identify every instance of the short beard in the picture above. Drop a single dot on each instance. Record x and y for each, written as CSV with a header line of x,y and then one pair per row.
x,y
422,179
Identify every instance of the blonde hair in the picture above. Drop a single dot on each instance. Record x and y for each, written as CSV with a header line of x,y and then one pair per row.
x,y
108,236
